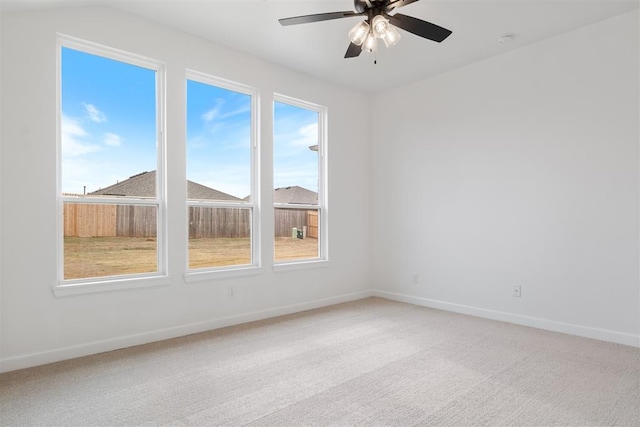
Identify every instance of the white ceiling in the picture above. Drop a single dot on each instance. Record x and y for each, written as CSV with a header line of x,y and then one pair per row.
x,y
318,48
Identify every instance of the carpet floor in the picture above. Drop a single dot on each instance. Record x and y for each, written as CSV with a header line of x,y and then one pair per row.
x,y
369,362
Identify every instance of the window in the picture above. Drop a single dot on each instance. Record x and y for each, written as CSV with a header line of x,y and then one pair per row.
x,y
221,182
299,198
110,175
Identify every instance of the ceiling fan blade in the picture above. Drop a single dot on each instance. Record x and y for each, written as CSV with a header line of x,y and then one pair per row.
x,y
395,4
353,50
419,27
305,19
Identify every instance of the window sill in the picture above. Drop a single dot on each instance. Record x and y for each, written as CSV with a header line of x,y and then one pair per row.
x,y
201,276
67,289
301,265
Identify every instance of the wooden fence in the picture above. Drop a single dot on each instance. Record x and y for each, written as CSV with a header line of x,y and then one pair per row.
x,y
219,222
89,220
312,224
287,219
136,221
97,220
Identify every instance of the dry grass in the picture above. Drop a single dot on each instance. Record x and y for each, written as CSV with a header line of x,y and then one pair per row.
x,y
108,256
209,252
86,257
289,249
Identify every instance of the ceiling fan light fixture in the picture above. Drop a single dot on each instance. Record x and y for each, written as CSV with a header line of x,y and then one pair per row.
x,y
391,37
359,33
370,43
380,26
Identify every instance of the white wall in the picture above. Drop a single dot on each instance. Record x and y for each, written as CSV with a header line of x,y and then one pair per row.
x,y
520,169
37,327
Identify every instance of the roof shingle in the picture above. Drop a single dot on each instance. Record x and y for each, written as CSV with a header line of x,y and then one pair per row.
x,y
144,185
295,195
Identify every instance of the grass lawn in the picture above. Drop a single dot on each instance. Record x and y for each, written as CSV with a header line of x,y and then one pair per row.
x,y
287,248
86,257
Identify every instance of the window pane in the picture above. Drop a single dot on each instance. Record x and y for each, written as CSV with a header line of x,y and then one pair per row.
x,y
296,234
296,181
105,240
295,155
108,125
218,143
109,148
219,236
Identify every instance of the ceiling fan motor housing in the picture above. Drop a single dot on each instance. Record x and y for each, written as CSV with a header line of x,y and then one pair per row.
x,y
373,7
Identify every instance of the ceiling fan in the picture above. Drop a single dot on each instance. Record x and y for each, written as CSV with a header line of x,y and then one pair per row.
x,y
377,25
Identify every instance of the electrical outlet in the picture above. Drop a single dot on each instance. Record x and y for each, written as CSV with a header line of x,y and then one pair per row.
x,y
231,292
416,278
517,291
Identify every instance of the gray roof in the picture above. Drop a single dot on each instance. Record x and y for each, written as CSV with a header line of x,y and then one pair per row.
x,y
199,191
295,195
144,185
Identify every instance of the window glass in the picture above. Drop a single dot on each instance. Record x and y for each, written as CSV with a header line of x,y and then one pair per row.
x,y
297,176
108,166
106,240
219,174
218,142
108,123
219,236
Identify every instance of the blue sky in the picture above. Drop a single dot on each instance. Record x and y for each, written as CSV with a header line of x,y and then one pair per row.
x,y
108,121
219,138
295,130
108,129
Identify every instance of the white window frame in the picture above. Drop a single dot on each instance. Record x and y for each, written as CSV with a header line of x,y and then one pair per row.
x,y
322,207
115,282
253,204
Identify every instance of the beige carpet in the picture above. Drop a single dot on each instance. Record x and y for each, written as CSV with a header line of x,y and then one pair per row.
x,y
370,362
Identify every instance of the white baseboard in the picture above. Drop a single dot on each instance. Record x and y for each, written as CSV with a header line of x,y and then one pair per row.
x,y
535,322
35,359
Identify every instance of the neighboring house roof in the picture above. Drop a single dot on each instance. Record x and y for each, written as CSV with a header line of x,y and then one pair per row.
x,y
199,191
144,185
295,195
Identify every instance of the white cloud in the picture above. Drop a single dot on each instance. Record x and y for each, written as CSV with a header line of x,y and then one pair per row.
x,y
71,128
213,113
241,110
306,135
296,142
71,134
112,140
94,114
217,113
